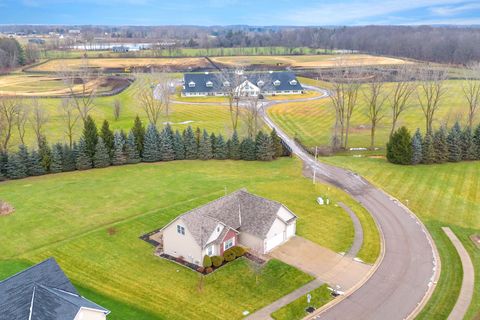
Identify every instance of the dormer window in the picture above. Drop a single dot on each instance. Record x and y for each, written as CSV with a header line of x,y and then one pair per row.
x,y
260,83
276,83
209,84
293,82
226,84
191,84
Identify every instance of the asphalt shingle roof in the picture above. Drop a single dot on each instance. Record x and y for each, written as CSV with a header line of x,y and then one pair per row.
x,y
44,287
201,79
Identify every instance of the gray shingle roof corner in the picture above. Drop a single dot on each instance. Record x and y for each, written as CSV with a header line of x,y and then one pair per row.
x,y
239,210
41,292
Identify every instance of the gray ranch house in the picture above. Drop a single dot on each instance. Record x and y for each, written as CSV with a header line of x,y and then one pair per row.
x,y
240,218
244,84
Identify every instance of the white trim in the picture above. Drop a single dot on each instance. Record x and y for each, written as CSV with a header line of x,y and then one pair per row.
x,y
31,304
225,243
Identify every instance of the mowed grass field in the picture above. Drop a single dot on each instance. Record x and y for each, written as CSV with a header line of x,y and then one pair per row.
x,y
312,122
441,195
91,221
310,61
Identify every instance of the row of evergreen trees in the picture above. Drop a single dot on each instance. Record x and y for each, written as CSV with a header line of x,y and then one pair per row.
x,y
102,148
454,145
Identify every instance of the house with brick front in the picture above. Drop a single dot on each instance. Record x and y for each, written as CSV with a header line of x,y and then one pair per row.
x,y
240,218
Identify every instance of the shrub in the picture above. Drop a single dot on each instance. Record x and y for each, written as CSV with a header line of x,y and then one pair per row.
x,y
230,255
399,148
239,251
207,261
209,270
217,261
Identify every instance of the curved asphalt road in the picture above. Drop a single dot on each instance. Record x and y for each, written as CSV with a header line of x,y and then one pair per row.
x,y
408,271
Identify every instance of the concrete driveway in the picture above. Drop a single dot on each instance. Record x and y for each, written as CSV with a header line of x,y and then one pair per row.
x,y
324,264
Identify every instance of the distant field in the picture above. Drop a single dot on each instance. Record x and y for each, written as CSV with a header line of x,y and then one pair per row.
x,y
310,61
45,85
122,63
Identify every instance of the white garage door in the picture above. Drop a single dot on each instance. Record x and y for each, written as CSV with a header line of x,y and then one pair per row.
x,y
274,241
291,230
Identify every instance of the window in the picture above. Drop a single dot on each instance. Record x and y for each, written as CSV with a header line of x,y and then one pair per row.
x,y
191,84
209,84
276,83
293,82
228,244
210,251
180,230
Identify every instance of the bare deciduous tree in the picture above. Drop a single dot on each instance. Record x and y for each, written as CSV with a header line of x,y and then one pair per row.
x,y
471,91
21,120
375,96
164,88
38,119
149,99
9,106
229,82
117,108
402,90
429,94
69,117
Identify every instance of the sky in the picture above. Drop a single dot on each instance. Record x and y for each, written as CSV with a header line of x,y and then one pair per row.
x,y
240,12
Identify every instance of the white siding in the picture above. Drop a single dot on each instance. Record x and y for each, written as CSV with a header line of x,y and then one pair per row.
x,y
284,214
251,241
276,235
89,314
177,245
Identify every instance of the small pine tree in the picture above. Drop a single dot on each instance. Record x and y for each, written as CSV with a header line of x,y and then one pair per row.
x,y
131,149
213,141
3,163
454,144
178,146
24,156
150,145
138,131
264,147
198,136
35,167
16,168
191,147
247,149
476,142
428,150
167,152
119,156
101,159
399,147
417,142
57,158
107,135
277,144
468,147
45,153
68,158
440,145
220,148
234,150
83,160
90,136
205,151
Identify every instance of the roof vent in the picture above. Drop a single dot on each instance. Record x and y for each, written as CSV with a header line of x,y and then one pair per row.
x,y
206,72
293,82
209,84
260,83
191,84
276,83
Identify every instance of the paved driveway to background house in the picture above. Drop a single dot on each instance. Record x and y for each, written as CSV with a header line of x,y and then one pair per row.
x,y
324,264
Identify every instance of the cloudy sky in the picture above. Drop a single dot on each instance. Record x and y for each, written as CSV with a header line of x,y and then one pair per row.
x,y
229,12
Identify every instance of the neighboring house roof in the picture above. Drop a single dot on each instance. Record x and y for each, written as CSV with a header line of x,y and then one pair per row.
x,y
286,81
239,210
41,292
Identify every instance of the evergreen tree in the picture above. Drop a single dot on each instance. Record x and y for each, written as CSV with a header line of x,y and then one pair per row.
x,y
3,163
440,145
35,167
131,149
247,149
150,145
68,158
264,147
277,144
107,135
90,136
16,168
198,136
399,147
220,148
468,147
428,150
213,141
45,153
417,142
57,158
119,156
205,151
178,146
454,144
23,156
101,159
191,147
476,142
83,161
138,131
234,150
167,152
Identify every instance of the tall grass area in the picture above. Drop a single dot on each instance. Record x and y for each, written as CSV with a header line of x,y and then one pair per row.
x,y
312,122
91,221
441,195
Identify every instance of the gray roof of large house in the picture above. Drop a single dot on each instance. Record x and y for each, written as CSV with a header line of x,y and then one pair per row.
x,y
41,292
240,210
217,79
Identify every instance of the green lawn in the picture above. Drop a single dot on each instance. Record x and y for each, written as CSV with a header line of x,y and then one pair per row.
x,y
296,310
441,195
312,122
68,216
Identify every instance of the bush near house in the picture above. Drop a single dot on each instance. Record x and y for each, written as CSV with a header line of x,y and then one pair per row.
x,y
229,255
207,262
217,261
239,251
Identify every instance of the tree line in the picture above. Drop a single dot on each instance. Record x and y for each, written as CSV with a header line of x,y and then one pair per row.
x,y
443,145
13,54
104,147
